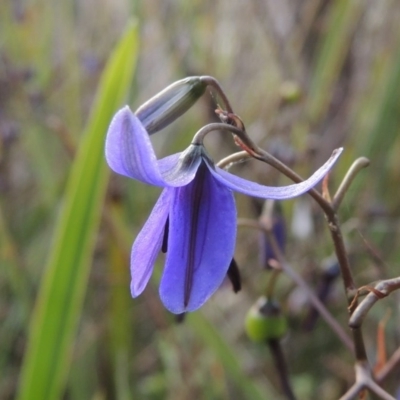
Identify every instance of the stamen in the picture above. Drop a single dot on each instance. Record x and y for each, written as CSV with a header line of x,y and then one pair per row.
x,y
234,276
164,246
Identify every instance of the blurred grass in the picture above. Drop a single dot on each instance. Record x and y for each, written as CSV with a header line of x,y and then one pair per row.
x,y
51,58
332,52
381,140
60,297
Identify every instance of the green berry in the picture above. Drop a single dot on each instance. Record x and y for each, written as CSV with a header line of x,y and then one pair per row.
x,y
264,321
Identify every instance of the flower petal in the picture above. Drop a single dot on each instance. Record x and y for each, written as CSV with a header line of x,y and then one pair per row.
x,y
270,192
129,151
148,244
201,242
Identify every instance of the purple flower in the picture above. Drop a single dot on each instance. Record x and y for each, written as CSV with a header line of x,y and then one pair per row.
x,y
195,216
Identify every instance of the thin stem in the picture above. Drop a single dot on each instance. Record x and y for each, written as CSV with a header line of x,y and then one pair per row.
x,y
262,155
219,126
341,254
384,288
210,81
336,235
348,282
331,216
383,394
364,380
389,366
353,391
289,271
349,286
355,168
269,292
235,158
281,367
257,152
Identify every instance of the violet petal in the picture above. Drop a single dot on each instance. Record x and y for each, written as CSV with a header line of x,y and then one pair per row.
x,y
129,151
148,244
269,192
201,242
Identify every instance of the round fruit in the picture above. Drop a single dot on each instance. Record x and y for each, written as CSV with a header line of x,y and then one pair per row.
x,y
264,321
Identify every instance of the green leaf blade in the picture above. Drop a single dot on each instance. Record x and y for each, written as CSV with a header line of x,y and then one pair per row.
x,y
62,291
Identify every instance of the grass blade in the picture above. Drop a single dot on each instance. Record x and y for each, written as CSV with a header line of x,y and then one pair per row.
x,y
334,48
62,291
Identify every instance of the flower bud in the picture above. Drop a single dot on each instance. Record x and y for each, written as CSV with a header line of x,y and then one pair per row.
x,y
166,106
264,321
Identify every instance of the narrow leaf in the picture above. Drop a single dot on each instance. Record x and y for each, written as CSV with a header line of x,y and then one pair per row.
x,y
60,298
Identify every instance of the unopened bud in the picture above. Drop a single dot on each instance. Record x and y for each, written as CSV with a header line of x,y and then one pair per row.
x,y
168,105
264,321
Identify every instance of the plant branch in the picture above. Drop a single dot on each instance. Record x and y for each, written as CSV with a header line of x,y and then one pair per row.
x,y
297,278
388,367
210,81
330,213
363,381
381,290
281,367
355,168
235,158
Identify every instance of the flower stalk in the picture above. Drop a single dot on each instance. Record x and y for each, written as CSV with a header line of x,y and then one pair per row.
x,y
285,267
335,231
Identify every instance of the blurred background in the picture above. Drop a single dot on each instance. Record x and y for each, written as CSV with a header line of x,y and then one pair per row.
x,y
306,77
